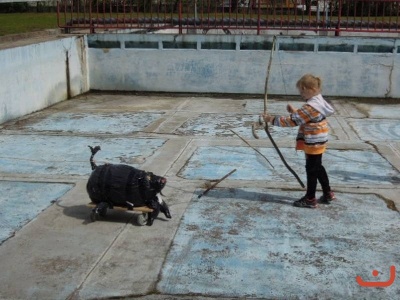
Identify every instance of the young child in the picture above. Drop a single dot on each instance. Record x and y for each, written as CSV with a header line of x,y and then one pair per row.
x,y
312,137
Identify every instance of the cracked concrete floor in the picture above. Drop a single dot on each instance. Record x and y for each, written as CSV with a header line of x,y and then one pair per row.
x,y
243,239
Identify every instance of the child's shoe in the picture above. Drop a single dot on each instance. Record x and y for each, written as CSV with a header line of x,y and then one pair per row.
x,y
327,198
305,202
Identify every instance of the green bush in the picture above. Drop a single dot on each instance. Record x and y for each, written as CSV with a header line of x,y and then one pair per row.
x,y
14,7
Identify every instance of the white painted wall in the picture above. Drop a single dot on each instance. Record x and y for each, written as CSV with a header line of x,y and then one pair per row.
x,y
35,76
354,74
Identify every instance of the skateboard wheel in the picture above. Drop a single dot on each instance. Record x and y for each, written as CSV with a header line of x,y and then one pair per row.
x,y
141,219
103,212
94,216
101,209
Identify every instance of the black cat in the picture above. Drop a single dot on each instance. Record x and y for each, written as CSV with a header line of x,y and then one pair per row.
x,y
121,185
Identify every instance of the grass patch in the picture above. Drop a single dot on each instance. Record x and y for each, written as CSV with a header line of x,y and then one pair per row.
x,y
15,23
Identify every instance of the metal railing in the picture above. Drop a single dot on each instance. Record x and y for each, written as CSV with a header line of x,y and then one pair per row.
x,y
250,16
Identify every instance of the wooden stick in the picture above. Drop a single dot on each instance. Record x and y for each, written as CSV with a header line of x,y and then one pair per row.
x,y
281,156
253,148
215,184
256,125
266,124
268,71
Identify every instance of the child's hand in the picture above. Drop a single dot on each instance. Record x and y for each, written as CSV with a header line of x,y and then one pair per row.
x,y
291,109
267,118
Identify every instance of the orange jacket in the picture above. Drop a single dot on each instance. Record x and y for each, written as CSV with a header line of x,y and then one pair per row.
x,y
313,127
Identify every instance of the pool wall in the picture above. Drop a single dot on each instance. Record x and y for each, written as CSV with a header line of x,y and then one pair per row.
x,y
39,75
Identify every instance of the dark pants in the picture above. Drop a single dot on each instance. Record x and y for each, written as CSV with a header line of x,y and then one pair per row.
x,y
316,172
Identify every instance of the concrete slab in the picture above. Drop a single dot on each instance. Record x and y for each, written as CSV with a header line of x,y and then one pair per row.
x,y
258,237
274,105
21,202
376,130
373,111
344,166
212,125
218,123
50,257
131,266
254,243
69,155
83,123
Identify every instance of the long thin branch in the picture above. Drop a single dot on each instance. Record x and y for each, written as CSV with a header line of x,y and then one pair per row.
x,y
265,110
252,148
215,184
281,156
268,71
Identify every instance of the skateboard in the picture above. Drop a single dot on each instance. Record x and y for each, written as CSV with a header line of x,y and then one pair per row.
x,y
100,210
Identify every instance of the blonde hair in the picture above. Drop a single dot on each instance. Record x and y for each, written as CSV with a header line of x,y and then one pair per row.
x,y
309,81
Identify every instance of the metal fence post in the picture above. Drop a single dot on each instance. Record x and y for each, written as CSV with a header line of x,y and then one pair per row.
x,y
337,30
259,18
180,16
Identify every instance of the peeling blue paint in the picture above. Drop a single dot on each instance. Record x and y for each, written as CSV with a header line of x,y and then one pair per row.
x,y
343,166
254,243
69,155
377,129
21,202
113,123
208,124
